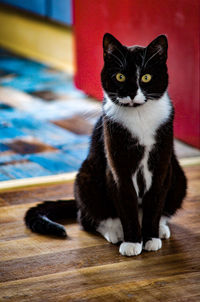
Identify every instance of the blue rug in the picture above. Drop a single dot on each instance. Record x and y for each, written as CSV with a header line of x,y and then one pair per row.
x,y
45,122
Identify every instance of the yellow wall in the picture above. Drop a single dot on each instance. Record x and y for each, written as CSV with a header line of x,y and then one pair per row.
x,y
36,38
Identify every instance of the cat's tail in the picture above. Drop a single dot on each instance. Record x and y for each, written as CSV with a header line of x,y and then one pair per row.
x,y
40,218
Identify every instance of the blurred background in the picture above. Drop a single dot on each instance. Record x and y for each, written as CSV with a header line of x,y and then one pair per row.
x,y
50,63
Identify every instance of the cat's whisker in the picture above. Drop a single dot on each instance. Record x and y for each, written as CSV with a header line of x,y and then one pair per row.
x,y
92,112
152,57
152,95
144,57
91,117
122,55
118,59
88,115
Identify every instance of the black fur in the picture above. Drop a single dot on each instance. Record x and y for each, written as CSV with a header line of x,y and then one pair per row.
x,y
36,217
103,186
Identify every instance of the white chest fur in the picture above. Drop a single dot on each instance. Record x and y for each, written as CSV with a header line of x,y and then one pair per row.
x,y
147,174
142,122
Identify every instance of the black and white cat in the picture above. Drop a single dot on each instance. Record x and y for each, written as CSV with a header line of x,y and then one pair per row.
x,y
131,182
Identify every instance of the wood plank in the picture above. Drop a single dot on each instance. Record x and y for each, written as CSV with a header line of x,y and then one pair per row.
x,y
171,257
159,289
37,194
79,283
38,244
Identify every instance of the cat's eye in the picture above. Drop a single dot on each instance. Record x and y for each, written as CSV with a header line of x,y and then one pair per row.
x,y
146,78
120,77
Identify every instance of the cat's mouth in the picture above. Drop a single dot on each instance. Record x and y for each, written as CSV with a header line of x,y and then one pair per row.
x,y
128,102
130,105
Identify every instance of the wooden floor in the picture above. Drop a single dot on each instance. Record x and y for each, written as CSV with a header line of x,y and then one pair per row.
x,y
85,267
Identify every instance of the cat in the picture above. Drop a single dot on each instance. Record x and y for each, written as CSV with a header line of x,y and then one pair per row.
x,y
131,183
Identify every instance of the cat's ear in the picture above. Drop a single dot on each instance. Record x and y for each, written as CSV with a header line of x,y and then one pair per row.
x,y
156,51
110,43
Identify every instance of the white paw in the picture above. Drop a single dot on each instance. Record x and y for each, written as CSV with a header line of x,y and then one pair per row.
x,y
164,231
111,230
130,248
153,245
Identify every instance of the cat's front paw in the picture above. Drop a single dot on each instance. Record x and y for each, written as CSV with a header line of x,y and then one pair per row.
x,y
130,248
153,244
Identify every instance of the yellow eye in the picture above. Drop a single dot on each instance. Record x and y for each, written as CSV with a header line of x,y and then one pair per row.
x,y
120,77
146,78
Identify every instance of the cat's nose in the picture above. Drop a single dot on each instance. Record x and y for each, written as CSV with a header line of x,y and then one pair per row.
x,y
139,97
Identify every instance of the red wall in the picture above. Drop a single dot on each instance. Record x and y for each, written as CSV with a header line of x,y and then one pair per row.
x,y
139,22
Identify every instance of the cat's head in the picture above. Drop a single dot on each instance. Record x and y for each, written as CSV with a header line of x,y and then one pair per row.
x,y
133,75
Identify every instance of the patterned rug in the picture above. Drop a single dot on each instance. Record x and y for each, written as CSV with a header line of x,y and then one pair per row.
x,y
45,122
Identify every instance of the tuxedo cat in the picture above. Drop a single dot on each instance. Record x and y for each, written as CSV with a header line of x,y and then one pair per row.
x,y
131,182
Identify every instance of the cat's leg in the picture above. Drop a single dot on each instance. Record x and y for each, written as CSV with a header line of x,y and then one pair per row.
x,y
125,227
158,208
153,225
164,231
177,190
174,198
129,248
128,211
111,228
124,197
96,210
121,153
